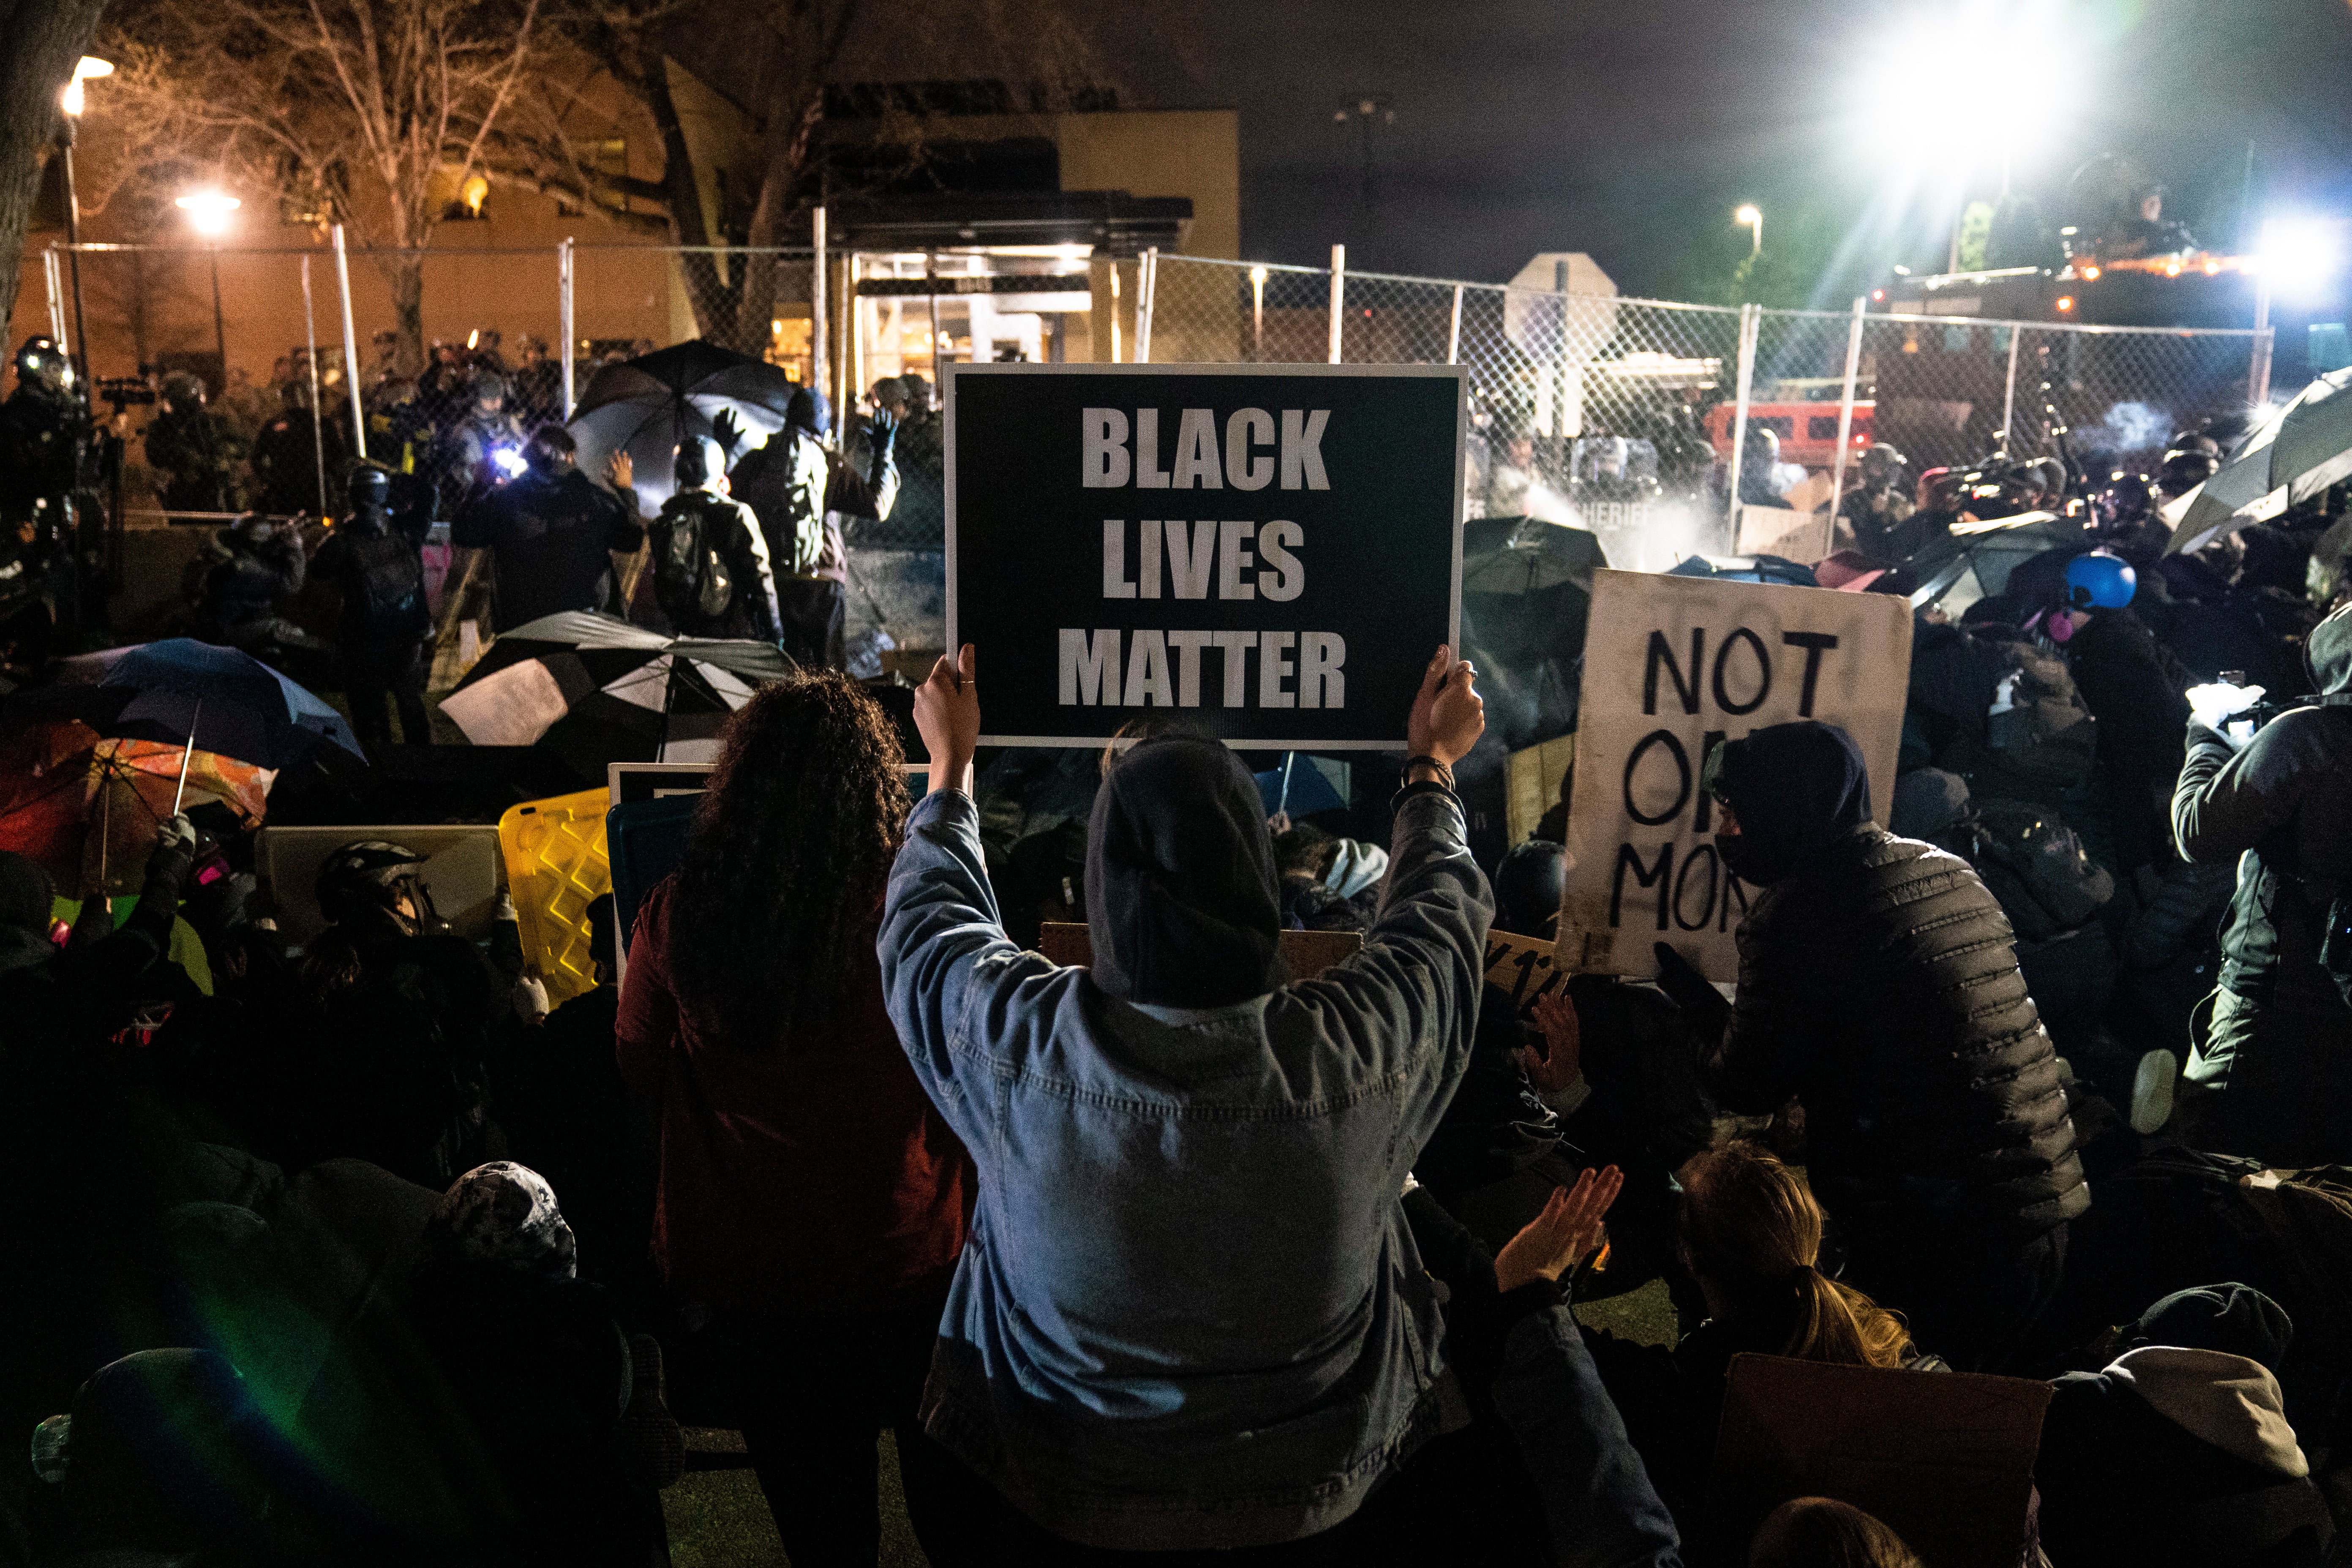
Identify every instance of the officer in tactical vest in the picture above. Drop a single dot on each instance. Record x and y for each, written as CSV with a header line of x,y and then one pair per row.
x,y
373,559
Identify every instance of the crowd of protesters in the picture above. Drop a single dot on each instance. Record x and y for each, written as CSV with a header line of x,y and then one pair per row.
x,y
359,1253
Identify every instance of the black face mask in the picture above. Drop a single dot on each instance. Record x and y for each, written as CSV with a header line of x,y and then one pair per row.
x,y
1747,859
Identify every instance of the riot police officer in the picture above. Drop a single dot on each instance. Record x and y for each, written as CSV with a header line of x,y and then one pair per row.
x,y
386,629
197,455
44,437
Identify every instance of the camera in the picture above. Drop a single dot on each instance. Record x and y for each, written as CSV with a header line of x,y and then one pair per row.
x,y
122,391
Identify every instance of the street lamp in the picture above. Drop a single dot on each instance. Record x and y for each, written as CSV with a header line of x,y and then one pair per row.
x,y
209,216
71,101
1753,217
1257,313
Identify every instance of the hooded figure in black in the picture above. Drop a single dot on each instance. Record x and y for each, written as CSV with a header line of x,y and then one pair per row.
x,y
1182,901
2273,1053
1879,984
2179,1452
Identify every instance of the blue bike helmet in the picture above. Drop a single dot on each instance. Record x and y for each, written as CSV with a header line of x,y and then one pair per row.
x,y
2100,582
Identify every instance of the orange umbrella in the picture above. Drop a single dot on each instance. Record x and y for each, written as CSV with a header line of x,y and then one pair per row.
x,y
85,808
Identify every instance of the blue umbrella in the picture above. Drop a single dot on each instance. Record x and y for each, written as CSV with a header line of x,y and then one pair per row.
x,y
183,692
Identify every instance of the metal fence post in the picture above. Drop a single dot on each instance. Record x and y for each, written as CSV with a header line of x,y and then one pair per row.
x,y
1454,329
50,276
564,320
1339,296
1147,296
350,344
1751,318
854,324
318,404
820,340
1845,408
2258,370
2008,390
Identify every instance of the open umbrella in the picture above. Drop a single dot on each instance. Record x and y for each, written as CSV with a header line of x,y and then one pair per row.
x,y
1527,594
191,695
1977,564
596,690
647,405
87,808
2291,457
1527,556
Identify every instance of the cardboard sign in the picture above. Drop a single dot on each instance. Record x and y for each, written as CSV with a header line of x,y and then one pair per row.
x,y
1307,953
1270,554
1524,966
1945,1460
1673,668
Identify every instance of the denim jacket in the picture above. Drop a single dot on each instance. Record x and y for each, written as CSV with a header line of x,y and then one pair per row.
x,y
1190,1313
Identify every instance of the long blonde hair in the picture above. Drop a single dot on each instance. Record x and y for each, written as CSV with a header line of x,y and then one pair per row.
x,y
1753,1228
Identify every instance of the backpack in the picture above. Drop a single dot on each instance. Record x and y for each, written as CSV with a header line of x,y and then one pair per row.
x,y
384,588
2035,866
690,582
2040,738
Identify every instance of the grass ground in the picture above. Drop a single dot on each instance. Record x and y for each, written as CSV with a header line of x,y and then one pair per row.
x,y
718,1517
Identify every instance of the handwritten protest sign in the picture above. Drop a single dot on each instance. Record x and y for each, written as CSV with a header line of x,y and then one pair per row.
x,y
1673,668
1270,554
1524,967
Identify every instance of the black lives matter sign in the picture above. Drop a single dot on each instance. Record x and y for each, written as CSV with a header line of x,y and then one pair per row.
x,y
1270,554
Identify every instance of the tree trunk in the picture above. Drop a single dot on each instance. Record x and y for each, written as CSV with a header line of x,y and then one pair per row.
x,y
41,40
711,294
407,269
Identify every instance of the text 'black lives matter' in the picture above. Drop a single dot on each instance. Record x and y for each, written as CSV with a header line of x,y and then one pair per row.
x,y
1300,562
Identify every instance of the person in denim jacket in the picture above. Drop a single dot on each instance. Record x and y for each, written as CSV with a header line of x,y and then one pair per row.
x,y
1191,1313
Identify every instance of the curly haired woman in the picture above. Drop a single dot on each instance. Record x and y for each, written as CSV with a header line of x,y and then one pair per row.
x,y
811,1203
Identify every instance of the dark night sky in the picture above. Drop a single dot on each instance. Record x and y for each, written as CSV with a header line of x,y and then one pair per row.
x,y
1631,129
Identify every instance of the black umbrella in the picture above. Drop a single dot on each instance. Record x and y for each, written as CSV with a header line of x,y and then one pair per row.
x,y
594,690
646,405
1527,593
2293,456
1527,556
187,693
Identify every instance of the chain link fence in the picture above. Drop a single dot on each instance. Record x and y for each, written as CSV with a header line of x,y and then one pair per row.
x,y
1619,413
1622,414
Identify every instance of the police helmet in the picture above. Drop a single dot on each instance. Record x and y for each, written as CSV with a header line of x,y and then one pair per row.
x,y
2125,501
1882,465
40,360
370,485
2185,467
1528,886
363,885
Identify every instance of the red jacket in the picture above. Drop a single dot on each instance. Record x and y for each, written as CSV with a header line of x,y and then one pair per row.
x,y
811,1180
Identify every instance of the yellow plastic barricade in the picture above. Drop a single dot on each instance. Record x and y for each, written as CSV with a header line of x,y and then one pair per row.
x,y
556,863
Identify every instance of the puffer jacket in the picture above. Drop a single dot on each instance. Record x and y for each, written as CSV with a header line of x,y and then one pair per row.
x,y
2281,808
1880,985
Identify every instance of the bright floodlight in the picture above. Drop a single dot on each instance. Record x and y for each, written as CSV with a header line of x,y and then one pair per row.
x,y
89,66
1747,215
1990,58
2301,254
208,210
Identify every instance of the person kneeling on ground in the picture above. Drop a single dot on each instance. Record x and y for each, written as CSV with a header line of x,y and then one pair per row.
x,y
1750,1235
1878,983
1191,1314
